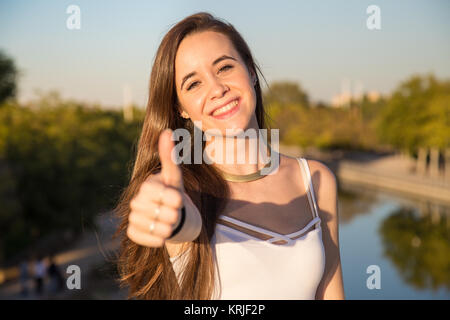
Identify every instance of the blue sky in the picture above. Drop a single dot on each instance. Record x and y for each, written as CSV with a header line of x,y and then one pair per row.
x,y
320,44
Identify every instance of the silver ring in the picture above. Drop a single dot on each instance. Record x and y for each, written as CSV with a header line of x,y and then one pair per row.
x,y
161,195
157,211
152,227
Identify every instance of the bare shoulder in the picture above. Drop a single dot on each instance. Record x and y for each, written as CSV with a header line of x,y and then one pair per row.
x,y
323,178
319,171
325,188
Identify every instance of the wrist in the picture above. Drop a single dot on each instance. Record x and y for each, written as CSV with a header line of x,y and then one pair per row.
x,y
190,228
179,224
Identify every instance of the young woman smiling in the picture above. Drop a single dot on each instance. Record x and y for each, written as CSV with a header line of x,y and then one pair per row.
x,y
222,230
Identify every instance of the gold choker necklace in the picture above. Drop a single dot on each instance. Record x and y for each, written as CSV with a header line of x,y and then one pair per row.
x,y
246,177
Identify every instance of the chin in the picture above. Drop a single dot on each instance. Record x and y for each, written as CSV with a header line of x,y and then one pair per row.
x,y
234,128
238,123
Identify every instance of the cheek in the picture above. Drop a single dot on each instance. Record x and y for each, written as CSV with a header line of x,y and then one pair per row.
x,y
248,90
246,85
193,106
242,85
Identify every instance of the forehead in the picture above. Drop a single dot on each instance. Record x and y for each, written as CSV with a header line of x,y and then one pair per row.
x,y
201,48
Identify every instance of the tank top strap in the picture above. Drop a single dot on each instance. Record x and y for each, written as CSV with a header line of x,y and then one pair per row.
x,y
275,236
307,180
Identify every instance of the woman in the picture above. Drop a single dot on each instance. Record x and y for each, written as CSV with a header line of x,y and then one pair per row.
x,y
221,230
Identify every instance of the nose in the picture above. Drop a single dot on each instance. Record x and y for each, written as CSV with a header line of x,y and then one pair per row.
x,y
218,88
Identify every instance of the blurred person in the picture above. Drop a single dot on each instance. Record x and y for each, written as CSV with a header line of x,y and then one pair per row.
x,y
56,283
40,271
221,231
24,277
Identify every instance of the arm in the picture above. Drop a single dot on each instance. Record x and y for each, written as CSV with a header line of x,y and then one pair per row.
x,y
325,186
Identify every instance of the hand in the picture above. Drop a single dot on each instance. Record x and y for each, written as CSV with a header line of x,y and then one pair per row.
x,y
156,208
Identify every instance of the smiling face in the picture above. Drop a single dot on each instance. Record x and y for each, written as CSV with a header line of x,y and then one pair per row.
x,y
213,83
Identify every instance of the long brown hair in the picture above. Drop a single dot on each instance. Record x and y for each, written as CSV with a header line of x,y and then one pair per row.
x,y
148,272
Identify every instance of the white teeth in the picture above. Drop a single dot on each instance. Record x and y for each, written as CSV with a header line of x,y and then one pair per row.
x,y
229,106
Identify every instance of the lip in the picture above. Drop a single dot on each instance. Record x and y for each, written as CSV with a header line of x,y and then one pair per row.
x,y
223,105
230,112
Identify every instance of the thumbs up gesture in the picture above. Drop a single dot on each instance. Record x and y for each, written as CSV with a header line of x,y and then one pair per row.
x,y
156,209
170,172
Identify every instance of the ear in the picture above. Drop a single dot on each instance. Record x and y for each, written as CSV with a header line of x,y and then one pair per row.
x,y
253,77
182,113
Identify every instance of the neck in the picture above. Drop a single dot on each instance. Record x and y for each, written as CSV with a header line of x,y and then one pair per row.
x,y
238,155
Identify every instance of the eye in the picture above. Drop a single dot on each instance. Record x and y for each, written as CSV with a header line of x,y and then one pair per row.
x,y
226,67
193,84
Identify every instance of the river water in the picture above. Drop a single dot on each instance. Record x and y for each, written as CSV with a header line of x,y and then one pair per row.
x,y
393,246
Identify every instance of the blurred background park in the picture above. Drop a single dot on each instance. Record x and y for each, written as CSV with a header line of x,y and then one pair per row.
x,y
373,104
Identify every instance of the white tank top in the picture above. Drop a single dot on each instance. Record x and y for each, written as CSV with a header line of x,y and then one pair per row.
x,y
251,268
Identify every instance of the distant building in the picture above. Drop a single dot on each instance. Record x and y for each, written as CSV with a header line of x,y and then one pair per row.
x,y
344,99
373,96
341,100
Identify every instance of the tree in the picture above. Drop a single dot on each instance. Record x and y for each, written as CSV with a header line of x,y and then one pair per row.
x,y
61,163
417,114
305,124
8,76
436,131
286,93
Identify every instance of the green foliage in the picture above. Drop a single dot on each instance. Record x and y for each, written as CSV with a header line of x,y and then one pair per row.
x,y
8,76
370,109
323,127
419,247
61,163
285,93
417,115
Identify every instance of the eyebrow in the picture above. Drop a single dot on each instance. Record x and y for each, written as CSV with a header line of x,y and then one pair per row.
x,y
189,75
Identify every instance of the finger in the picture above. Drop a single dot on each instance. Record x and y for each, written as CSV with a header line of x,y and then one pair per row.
x,y
143,224
170,171
157,193
144,238
166,214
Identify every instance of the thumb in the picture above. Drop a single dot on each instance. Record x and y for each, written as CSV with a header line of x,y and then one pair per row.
x,y
170,171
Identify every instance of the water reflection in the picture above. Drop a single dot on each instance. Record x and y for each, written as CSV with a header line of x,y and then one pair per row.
x,y
417,241
354,201
408,238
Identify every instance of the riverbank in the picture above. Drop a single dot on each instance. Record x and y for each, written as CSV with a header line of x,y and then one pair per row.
x,y
389,172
